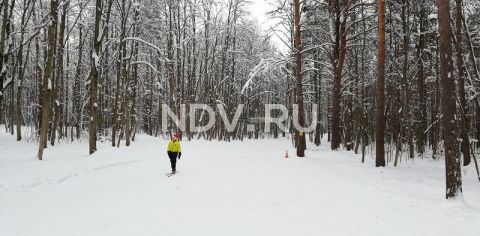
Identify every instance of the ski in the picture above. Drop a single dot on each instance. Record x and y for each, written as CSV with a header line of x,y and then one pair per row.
x,y
170,174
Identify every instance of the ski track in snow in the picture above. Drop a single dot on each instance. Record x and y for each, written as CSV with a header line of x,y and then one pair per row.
x,y
236,188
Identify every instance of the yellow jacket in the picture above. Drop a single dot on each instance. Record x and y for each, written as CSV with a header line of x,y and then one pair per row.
x,y
174,146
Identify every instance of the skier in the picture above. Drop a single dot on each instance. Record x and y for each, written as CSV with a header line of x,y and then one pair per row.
x,y
174,151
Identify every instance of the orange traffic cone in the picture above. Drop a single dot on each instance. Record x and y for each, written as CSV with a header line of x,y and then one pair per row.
x,y
286,154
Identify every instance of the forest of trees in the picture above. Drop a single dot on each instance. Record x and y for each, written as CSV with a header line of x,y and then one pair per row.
x,y
395,78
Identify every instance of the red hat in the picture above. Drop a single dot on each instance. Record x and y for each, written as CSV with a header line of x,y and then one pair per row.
x,y
175,136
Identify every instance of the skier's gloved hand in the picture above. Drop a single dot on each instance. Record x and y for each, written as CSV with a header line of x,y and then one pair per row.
x,y
179,155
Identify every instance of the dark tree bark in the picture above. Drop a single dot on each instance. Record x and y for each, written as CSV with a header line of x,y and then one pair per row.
x,y
98,35
452,157
95,64
318,98
4,39
59,74
47,77
120,65
300,136
76,91
421,82
338,70
380,93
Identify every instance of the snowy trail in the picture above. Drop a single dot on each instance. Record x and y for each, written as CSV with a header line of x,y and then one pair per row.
x,y
224,189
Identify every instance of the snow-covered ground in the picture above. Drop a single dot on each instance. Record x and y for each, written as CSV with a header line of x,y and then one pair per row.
x,y
236,188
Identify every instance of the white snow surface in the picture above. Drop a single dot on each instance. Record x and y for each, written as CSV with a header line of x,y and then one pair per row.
x,y
224,188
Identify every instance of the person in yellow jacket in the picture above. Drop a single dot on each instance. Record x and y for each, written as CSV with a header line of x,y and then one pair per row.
x,y
174,151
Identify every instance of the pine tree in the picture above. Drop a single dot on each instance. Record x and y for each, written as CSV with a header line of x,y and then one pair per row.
x,y
380,93
452,157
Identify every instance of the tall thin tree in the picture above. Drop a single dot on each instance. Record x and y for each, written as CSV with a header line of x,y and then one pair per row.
x,y
452,157
380,93
47,77
465,144
301,143
341,19
95,64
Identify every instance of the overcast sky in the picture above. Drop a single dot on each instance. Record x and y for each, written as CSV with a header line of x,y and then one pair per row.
x,y
259,9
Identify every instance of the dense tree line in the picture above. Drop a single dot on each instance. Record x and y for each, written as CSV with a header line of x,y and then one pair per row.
x,y
398,76
383,73
102,69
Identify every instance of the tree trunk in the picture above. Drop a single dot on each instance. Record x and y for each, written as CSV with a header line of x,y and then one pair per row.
x,y
47,77
95,66
380,93
76,91
421,84
21,73
465,144
5,39
337,81
99,33
59,74
318,93
301,143
452,158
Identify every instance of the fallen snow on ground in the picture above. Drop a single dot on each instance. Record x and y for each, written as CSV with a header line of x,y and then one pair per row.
x,y
236,188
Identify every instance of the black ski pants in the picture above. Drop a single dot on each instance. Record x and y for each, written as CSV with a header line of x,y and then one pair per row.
x,y
173,161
